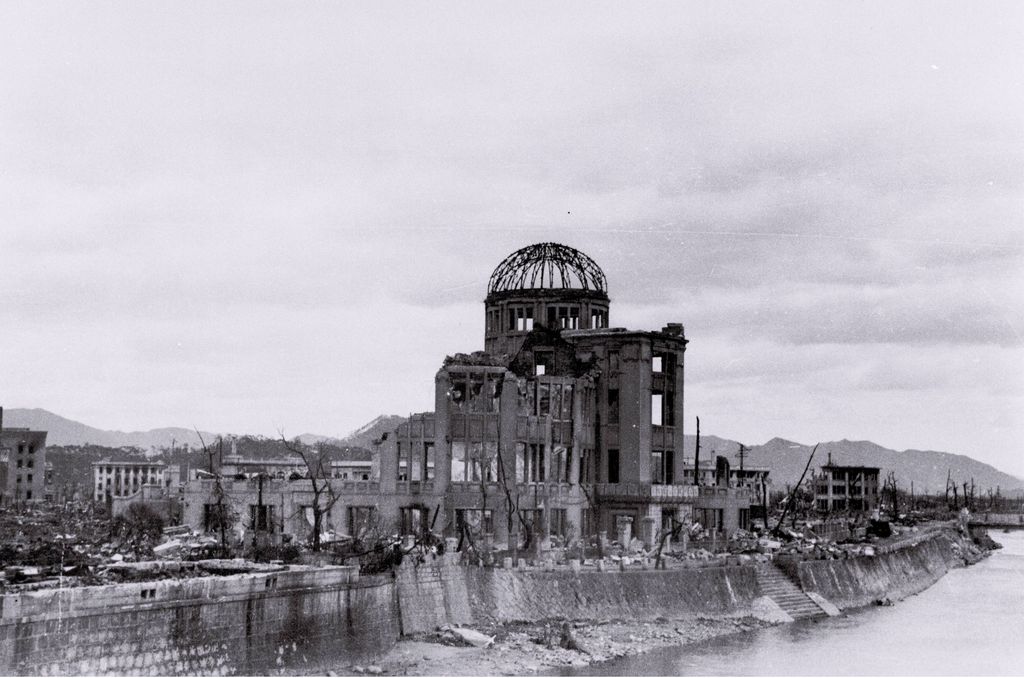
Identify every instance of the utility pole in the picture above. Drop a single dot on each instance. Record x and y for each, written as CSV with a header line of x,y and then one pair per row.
x,y
696,457
742,454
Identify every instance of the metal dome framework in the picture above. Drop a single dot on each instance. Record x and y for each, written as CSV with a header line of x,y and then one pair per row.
x,y
547,265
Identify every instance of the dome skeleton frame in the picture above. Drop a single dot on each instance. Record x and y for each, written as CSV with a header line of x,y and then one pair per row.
x,y
547,265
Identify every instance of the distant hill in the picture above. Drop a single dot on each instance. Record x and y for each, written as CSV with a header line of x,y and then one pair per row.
x,y
365,435
786,459
926,468
61,431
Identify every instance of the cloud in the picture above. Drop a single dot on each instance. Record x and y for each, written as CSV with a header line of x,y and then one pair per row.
x,y
311,201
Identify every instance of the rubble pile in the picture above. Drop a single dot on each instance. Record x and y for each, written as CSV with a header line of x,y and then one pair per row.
x,y
79,545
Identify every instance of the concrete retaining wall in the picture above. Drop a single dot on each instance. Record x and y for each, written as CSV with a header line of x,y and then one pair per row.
x,y
855,582
309,620
439,592
244,624
535,595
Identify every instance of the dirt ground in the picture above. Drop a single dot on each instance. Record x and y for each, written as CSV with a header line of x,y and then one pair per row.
x,y
521,649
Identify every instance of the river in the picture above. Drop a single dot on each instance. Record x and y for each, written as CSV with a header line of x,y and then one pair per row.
x,y
971,622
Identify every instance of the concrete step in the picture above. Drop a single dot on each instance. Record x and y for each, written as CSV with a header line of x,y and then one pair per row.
x,y
777,585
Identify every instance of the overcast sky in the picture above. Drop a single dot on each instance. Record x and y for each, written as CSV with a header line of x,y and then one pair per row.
x,y
250,217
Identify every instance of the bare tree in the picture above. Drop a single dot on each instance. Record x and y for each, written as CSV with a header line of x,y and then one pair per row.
x,y
672,531
792,496
317,463
222,517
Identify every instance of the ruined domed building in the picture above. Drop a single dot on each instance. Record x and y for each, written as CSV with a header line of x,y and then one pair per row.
x,y
562,427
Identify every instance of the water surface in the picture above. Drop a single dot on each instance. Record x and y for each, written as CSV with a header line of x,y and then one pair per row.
x,y
971,622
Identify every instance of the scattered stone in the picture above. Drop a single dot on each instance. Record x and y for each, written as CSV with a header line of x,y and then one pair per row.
x,y
471,637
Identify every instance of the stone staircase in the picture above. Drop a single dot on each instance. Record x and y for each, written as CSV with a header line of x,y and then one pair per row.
x,y
777,585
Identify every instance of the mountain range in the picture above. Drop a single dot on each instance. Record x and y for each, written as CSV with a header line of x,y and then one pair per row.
x,y
927,469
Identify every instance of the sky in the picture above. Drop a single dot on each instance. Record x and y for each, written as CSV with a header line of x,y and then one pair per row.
x,y
263,217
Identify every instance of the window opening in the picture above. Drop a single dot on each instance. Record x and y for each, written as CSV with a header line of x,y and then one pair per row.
x,y
613,466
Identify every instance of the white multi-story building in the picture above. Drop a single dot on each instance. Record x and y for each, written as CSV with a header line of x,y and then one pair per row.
x,y
125,478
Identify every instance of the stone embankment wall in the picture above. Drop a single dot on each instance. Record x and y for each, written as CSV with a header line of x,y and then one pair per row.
x,y
307,620
250,624
437,593
893,573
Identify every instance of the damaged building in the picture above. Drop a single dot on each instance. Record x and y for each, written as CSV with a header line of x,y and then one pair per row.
x,y
846,488
562,427
22,465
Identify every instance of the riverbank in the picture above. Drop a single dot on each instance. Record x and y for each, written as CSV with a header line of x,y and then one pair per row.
x,y
554,645
521,649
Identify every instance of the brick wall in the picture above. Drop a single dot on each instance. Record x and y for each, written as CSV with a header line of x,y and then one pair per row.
x,y
299,620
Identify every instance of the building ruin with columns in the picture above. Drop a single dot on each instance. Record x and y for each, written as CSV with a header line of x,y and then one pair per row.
x,y
561,427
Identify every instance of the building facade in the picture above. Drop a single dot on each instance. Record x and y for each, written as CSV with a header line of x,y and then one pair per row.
x,y
562,427
846,488
118,479
22,465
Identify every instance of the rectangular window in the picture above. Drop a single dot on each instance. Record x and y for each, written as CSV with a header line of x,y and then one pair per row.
x,y
587,467
521,462
428,453
670,409
359,520
543,399
661,466
458,391
566,414
559,522
656,363
459,462
657,467
414,520
524,319
536,469
476,521
613,406
613,466
403,462
540,370
261,518
657,411
415,466
559,472
589,524
483,462
613,361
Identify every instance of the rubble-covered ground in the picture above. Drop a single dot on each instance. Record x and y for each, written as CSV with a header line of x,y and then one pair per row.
x,y
519,649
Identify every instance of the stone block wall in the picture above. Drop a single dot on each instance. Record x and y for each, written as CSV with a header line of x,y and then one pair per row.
x,y
510,595
298,620
855,582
